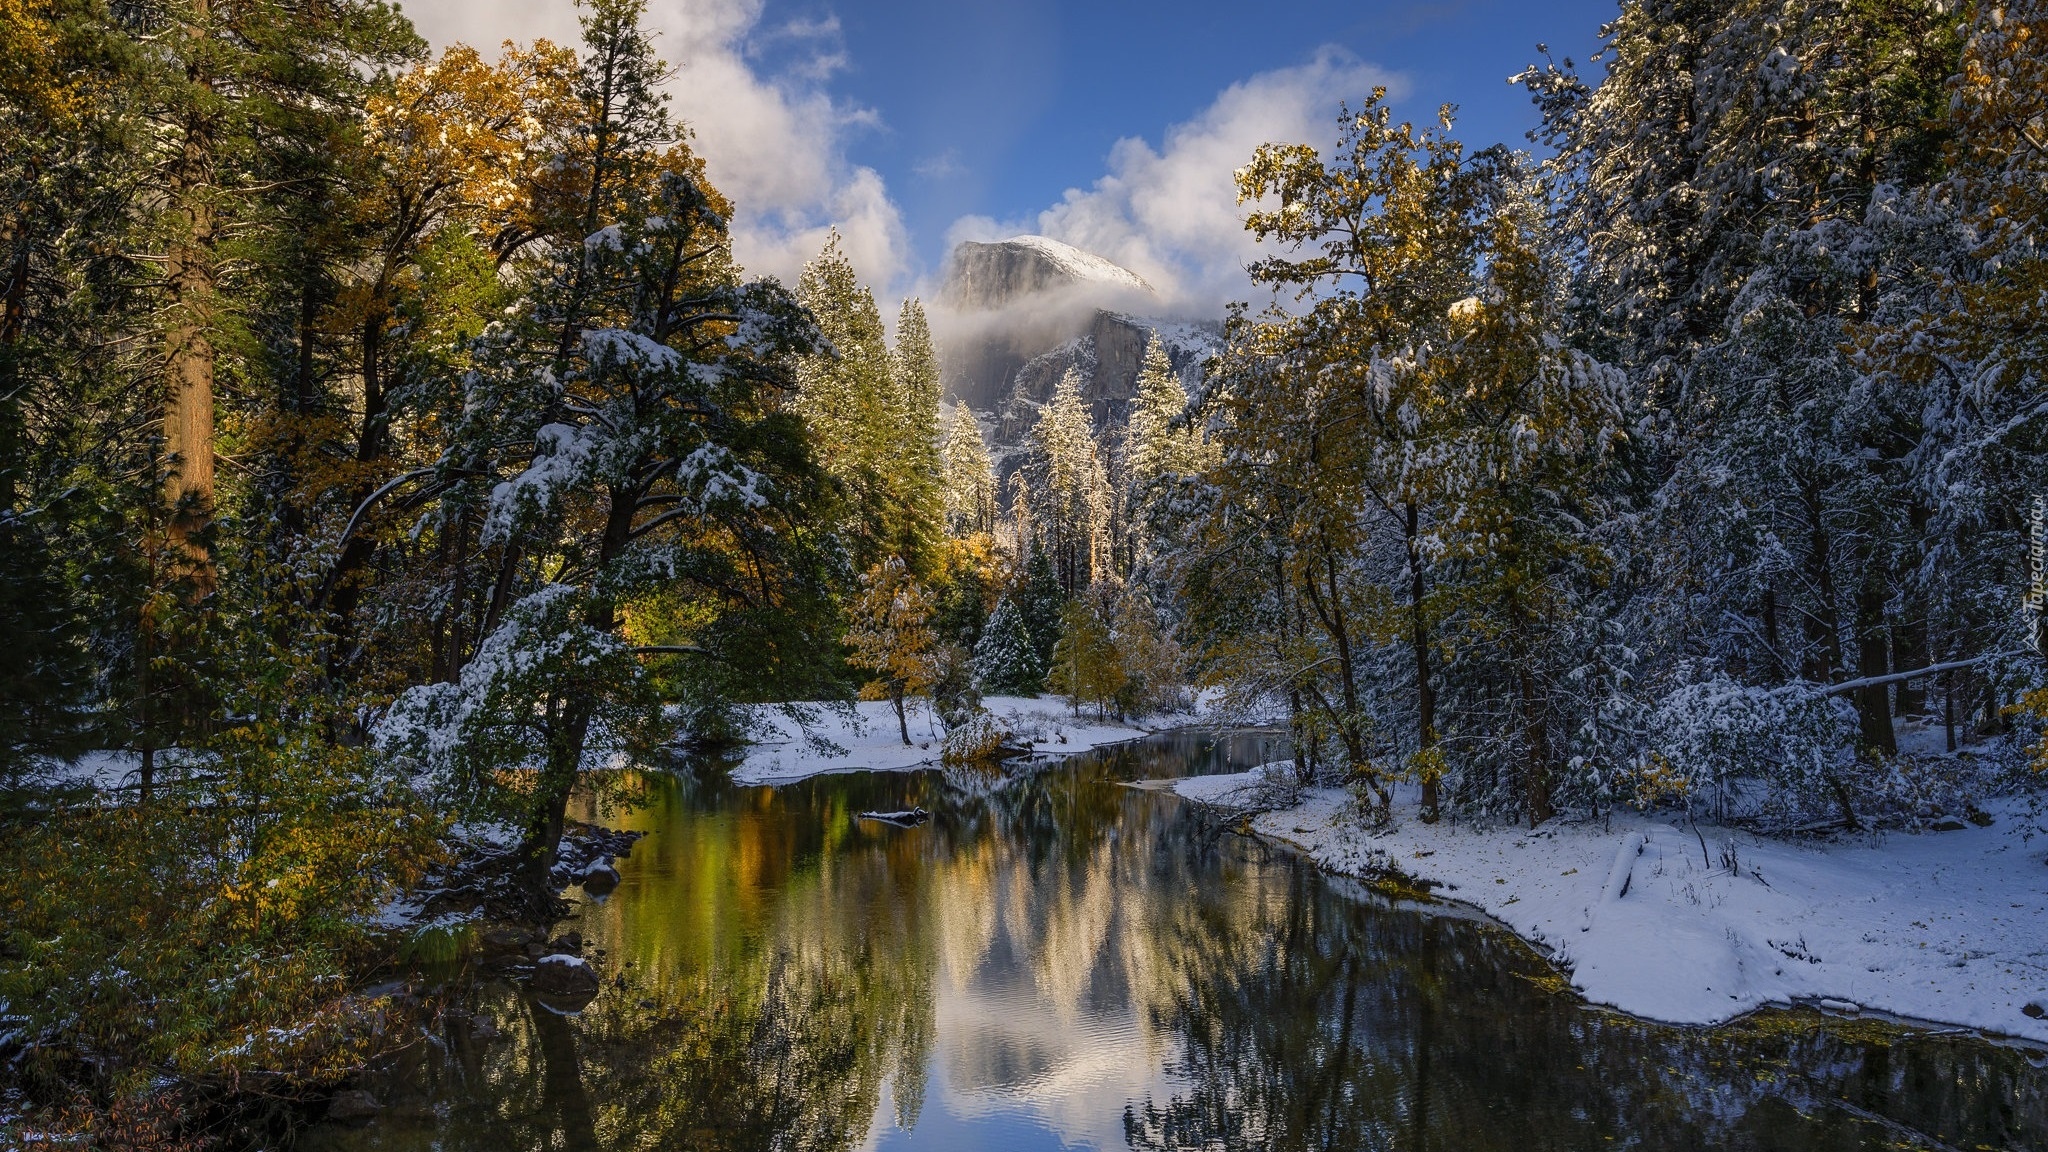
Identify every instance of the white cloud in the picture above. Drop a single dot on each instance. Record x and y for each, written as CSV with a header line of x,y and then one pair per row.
x,y
774,140
1171,214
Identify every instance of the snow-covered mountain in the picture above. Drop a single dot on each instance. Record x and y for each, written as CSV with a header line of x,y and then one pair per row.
x,y
1015,315
985,276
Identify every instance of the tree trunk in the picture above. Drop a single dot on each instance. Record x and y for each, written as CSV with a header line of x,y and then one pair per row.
x,y
1821,628
13,319
1873,702
356,554
902,723
1537,743
189,353
1418,638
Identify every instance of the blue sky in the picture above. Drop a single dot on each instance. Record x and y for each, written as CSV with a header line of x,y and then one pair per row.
x,y
1112,124
996,109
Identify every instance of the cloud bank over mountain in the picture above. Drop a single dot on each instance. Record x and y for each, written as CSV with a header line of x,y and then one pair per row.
x,y
1170,213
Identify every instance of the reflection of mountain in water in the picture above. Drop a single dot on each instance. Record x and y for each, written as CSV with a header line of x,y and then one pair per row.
x,y
1064,962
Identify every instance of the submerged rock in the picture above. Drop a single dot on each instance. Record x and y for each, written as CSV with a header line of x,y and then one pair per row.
x,y
352,1106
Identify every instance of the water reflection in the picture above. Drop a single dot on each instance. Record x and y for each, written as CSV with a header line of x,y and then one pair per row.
x,y
1056,961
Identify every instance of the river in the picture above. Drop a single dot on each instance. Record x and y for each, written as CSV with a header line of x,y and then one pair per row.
x,y
1056,960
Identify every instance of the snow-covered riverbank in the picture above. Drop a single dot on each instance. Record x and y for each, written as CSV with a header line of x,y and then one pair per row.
x,y
868,738
1939,926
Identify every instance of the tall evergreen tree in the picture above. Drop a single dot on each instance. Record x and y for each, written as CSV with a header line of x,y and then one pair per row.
x,y
970,478
874,415
1064,489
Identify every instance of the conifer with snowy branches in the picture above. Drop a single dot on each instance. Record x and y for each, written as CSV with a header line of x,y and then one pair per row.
x,y
970,477
1063,486
1006,662
624,419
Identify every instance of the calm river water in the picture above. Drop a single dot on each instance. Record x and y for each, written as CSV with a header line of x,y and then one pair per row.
x,y
1058,961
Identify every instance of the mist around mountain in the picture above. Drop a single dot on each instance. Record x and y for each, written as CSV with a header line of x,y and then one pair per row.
x,y
1014,316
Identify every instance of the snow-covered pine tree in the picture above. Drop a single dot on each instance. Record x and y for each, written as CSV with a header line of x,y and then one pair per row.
x,y
1516,481
1158,444
1729,276
1006,662
1039,599
1961,337
970,478
1064,486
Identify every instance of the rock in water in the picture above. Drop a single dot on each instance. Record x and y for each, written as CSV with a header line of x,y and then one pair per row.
x,y
504,939
904,819
352,1106
562,975
600,877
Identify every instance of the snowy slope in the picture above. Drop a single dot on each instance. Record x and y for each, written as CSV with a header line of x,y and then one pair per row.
x,y
1083,266
1944,926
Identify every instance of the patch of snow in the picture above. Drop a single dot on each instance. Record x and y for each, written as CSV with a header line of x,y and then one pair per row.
x,y
1256,788
1081,265
1943,926
563,959
866,737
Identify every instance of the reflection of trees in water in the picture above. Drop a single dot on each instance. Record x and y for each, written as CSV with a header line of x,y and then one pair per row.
x,y
1311,1021
787,960
791,1059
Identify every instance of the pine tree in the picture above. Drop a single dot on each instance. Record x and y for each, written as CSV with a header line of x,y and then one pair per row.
x,y
970,481
1085,664
1157,447
874,414
1518,483
917,462
1006,662
243,94
1064,489
1039,599
1157,451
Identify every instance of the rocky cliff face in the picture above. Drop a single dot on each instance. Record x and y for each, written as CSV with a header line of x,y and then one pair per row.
x,y
1014,316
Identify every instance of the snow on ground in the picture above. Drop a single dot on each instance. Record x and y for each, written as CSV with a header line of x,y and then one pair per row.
x,y
1938,926
869,736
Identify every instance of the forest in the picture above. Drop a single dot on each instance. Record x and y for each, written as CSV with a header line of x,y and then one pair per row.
x,y
389,438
